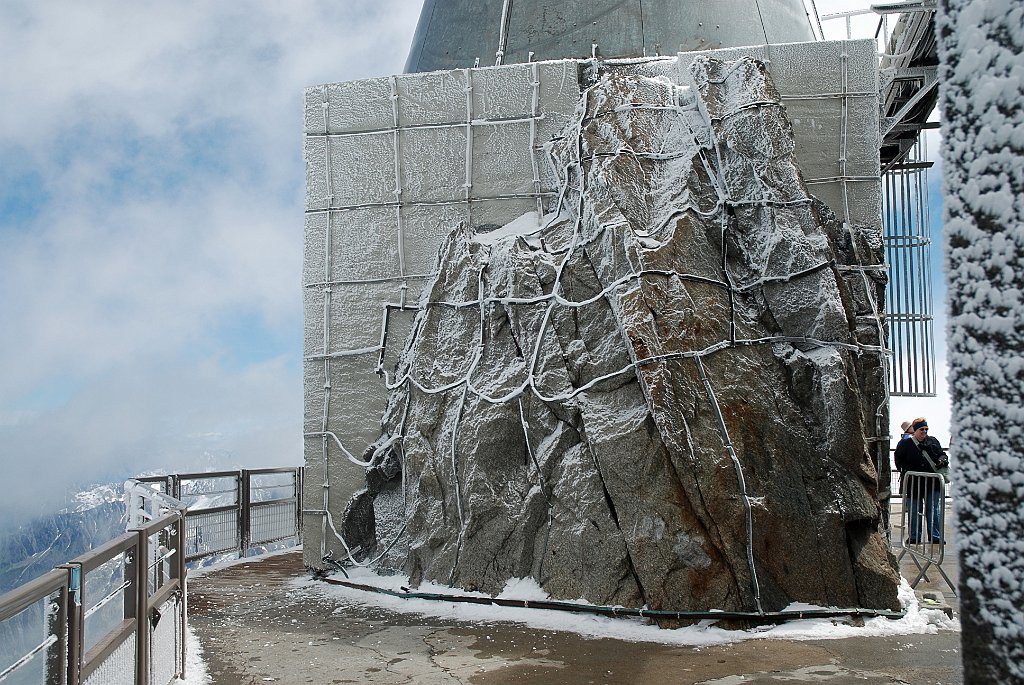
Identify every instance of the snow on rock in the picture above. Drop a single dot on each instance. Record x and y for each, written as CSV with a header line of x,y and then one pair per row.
x,y
659,396
982,92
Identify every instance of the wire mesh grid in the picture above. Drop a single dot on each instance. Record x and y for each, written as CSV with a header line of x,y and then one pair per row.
x,y
118,668
165,644
210,532
272,522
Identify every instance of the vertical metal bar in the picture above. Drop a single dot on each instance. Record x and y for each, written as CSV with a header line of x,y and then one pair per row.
x,y
908,211
919,254
915,283
922,272
899,287
927,350
891,290
891,264
179,572
906,241
76,621
896,286
137,568
58,656
244,518
931,302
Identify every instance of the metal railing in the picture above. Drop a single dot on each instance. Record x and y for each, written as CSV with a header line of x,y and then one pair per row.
x,y
117,614
113,615
921,532
235,512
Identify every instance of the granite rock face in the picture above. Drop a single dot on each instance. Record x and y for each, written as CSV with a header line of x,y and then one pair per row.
x,y
658,395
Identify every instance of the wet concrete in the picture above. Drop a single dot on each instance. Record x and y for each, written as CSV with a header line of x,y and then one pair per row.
x,y
257,625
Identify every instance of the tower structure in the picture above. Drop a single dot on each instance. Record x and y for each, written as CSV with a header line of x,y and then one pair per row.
x,y
456,34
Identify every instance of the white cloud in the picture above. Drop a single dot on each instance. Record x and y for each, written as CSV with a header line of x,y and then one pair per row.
x,y
162,147
144,416
167,137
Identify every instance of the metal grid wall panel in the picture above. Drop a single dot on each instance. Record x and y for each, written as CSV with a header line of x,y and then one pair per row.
x,y
394,165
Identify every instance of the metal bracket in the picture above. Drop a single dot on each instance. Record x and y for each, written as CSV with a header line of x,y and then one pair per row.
x,y
901,7
929,79
75,584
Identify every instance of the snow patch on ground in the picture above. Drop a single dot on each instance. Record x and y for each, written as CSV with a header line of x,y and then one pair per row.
x,y
917,620
196,672
227,563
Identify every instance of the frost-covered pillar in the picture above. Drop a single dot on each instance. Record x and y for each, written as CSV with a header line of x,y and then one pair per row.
x,y
982,96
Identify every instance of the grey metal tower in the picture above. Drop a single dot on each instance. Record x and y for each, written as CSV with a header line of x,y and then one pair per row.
x,y
454,34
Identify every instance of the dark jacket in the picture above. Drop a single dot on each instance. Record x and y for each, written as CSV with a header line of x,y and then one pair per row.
x,y
908,457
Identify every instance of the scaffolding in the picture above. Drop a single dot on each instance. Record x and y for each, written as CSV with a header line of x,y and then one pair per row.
x,y
909,302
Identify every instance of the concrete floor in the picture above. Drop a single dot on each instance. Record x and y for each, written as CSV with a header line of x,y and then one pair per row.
x,y
256,625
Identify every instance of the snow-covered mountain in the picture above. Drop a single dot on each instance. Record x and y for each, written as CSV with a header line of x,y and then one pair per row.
x,y
93,517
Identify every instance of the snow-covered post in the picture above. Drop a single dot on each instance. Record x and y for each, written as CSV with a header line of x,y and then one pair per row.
x,y
982,100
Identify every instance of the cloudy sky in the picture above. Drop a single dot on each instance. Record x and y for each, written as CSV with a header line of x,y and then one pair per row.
x,y
151,228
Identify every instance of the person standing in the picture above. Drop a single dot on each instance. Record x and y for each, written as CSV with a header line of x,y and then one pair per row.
x,y
922,453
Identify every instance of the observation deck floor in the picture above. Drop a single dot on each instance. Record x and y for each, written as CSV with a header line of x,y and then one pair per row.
x,y
263,620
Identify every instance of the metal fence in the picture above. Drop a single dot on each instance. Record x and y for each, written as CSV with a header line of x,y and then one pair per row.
x,y
236,512
920,534
118,614
113,615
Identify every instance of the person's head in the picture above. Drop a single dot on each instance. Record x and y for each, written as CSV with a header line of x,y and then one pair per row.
x,y
920,428
905,426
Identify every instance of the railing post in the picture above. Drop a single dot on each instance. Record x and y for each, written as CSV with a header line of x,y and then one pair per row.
x,y
74,621
243,512
179,571
56,624
141,611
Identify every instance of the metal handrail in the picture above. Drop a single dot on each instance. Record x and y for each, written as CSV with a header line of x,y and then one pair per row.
x,y
161,513
20,598
242,506
66,662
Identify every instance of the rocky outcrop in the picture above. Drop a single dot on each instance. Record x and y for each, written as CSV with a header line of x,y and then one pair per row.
x,y
656,396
